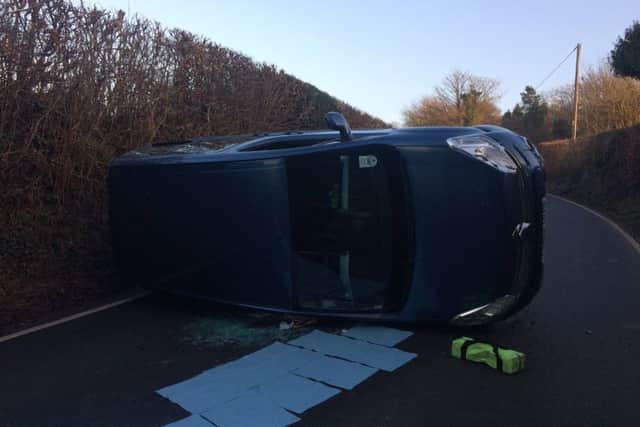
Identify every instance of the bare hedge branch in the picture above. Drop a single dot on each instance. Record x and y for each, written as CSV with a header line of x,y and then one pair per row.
x,y
80,85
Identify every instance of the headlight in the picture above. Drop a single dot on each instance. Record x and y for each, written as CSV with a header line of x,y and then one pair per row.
x,y
485,149
486,313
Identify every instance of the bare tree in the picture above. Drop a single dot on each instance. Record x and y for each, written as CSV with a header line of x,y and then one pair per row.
x,y
431,110
607,102
460,99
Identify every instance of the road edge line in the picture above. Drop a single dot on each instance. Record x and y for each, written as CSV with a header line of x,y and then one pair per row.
x,y
634,244
73,317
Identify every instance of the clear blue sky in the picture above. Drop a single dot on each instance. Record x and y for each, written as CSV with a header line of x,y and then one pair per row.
x,y
382,55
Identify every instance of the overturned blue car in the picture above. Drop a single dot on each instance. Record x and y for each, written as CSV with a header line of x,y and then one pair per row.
x,y
440,224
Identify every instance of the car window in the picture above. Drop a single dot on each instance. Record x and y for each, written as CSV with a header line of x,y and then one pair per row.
x,y
342,229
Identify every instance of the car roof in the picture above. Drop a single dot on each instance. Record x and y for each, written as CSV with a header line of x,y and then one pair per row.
x,y
215,145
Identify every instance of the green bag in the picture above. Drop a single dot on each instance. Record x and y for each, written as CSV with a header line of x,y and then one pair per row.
x,y
502,359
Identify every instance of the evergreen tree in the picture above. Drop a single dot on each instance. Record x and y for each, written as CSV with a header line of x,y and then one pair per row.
x,y
625,56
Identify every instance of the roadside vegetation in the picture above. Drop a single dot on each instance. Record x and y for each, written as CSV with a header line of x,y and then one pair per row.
x,y
601,171
602,167
81,85
461,99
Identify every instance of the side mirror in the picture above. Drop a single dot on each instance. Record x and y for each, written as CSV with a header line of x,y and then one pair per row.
x,y
336,121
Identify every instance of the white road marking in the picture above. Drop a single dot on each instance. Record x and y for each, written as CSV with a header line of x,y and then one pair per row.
x,y
619,229
73,317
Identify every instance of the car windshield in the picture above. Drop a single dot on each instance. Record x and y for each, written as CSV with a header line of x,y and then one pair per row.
x,y
345,227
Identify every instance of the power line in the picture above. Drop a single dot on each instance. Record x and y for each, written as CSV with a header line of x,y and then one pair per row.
x,y
556,68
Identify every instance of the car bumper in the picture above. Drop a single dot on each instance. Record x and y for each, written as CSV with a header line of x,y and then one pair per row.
x,y
528,236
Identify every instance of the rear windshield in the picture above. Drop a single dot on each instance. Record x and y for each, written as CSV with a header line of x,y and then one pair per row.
x,y
199,145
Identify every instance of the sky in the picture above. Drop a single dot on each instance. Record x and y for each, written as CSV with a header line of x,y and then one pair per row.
x,y
381,56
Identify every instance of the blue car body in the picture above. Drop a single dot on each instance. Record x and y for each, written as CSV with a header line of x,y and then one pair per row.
x,y
392,224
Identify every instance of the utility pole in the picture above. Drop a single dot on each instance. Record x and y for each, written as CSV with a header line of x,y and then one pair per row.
x,y
576,94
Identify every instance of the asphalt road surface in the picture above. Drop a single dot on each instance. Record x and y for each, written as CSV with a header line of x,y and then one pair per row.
x,y
581,336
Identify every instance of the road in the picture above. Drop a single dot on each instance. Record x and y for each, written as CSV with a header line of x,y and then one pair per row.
x,y
581,336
